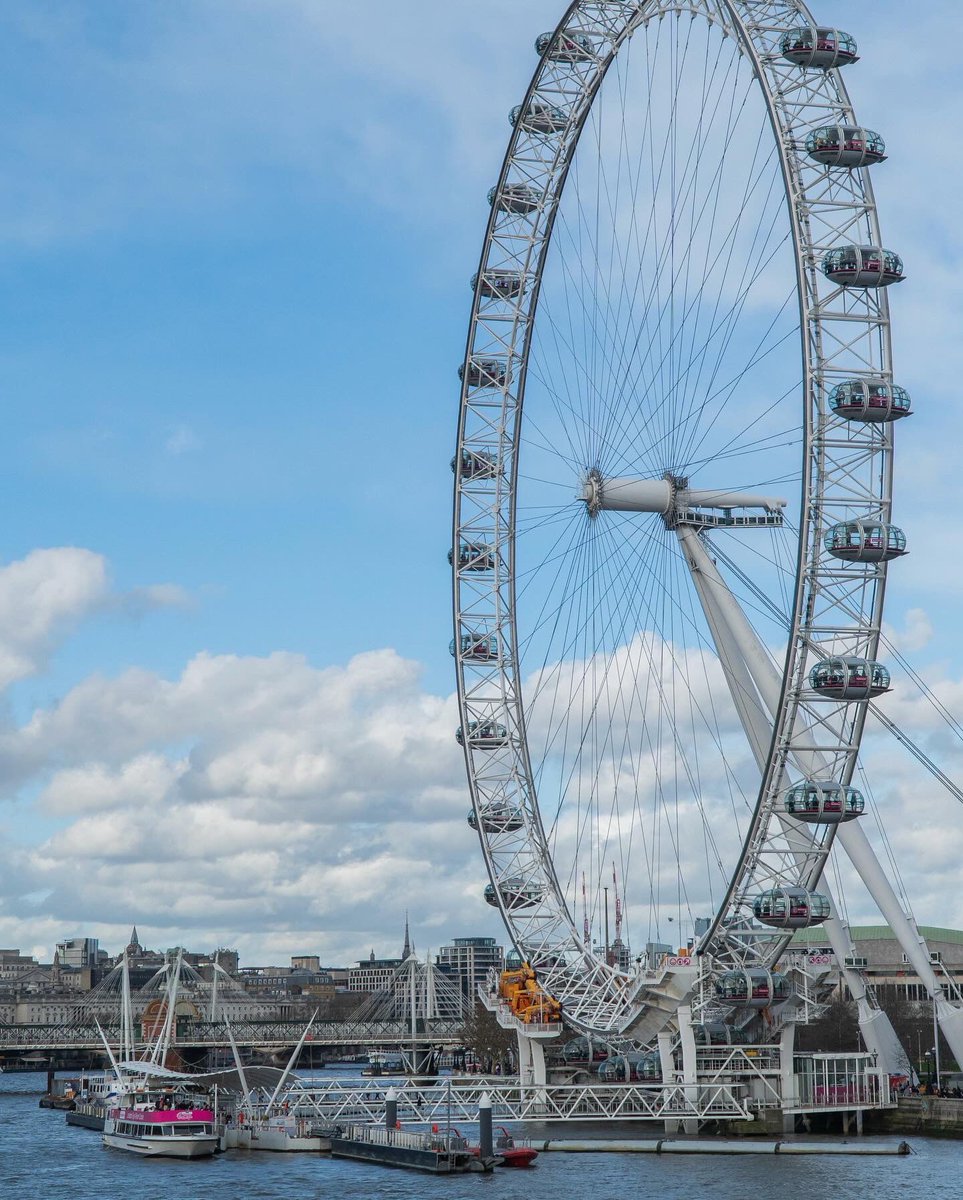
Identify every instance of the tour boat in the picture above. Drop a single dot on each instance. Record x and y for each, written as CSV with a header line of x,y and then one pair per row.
x,y
162,1132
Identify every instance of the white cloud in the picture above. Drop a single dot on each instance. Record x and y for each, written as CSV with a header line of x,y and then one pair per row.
x,y
45,595
916,634
266,803
41,597
144,780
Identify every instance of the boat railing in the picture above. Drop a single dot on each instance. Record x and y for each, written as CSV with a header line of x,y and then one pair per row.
x,y
379,1135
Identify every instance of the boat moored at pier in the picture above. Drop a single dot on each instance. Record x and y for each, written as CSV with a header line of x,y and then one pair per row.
x,y
162,1133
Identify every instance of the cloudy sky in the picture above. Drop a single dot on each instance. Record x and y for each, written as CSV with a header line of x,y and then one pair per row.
x,y
235,243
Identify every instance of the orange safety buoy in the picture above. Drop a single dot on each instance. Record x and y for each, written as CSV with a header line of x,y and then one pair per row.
x,y
240,1118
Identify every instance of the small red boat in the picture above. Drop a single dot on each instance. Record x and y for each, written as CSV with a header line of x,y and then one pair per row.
x,y
512,1154
507,1151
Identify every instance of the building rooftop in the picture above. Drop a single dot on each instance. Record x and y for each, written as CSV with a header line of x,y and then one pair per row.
x,y
877,933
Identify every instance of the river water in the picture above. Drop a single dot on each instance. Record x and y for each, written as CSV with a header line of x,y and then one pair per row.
x,y
42,1158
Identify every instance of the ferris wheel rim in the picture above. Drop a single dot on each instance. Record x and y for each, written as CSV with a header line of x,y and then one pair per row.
x,y
600,975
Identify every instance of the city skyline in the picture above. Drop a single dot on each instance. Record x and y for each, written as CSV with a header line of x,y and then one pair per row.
x,y
223,641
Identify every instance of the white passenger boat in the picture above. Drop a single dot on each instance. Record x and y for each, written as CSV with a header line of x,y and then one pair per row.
x,y
162,1132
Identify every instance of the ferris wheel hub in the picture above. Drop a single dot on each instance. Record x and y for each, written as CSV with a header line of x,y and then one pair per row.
x,y
670,497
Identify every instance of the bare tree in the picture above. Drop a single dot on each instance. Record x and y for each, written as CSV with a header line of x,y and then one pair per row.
x,y
487,1040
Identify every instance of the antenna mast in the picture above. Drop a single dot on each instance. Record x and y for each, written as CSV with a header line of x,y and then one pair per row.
x,y
618,906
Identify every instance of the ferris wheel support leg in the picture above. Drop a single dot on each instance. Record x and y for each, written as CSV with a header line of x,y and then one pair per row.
x,y
690,1065
531,1066
745,661
666,1057
666,1041
787,1077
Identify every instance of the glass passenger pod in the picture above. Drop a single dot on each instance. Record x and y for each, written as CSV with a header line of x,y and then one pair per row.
x,y
869,400
580,1050
499,285
515,893
753,987
629,1068
477,464
849,679
565,47
473,556
790,908
714,1033
516,198
863,266
483,735
865,541
484,372
823,803
539,117
476,647
817,46
497,817
845,146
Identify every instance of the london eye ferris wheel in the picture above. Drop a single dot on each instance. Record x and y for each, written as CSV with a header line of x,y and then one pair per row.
x,y
673,494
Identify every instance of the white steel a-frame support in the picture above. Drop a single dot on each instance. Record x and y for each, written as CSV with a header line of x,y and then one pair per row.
x,y
745,661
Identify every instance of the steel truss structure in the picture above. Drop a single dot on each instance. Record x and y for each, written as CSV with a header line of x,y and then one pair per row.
x,y
714,1098
439,1032
833,607
340,1100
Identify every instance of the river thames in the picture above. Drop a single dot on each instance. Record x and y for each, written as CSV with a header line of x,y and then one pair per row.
x,y
42,1157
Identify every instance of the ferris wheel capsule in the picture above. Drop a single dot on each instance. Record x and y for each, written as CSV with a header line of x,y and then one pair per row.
x,y
629,1068
516,198
865,541
473,556
818,46
565,47
863,266
869,400
752,987
500,285
791,908
497,817
485,373
515,893
823,802
538,117
845,146
483,735
849,679
714,1033
476,647
477,464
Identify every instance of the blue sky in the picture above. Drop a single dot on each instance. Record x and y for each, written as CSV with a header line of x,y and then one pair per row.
x,y
235,244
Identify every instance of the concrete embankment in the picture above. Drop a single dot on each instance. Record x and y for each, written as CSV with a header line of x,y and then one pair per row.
x,y
719,1146
930,1116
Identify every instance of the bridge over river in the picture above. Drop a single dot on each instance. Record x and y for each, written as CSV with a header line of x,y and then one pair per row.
x,y
278,1036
